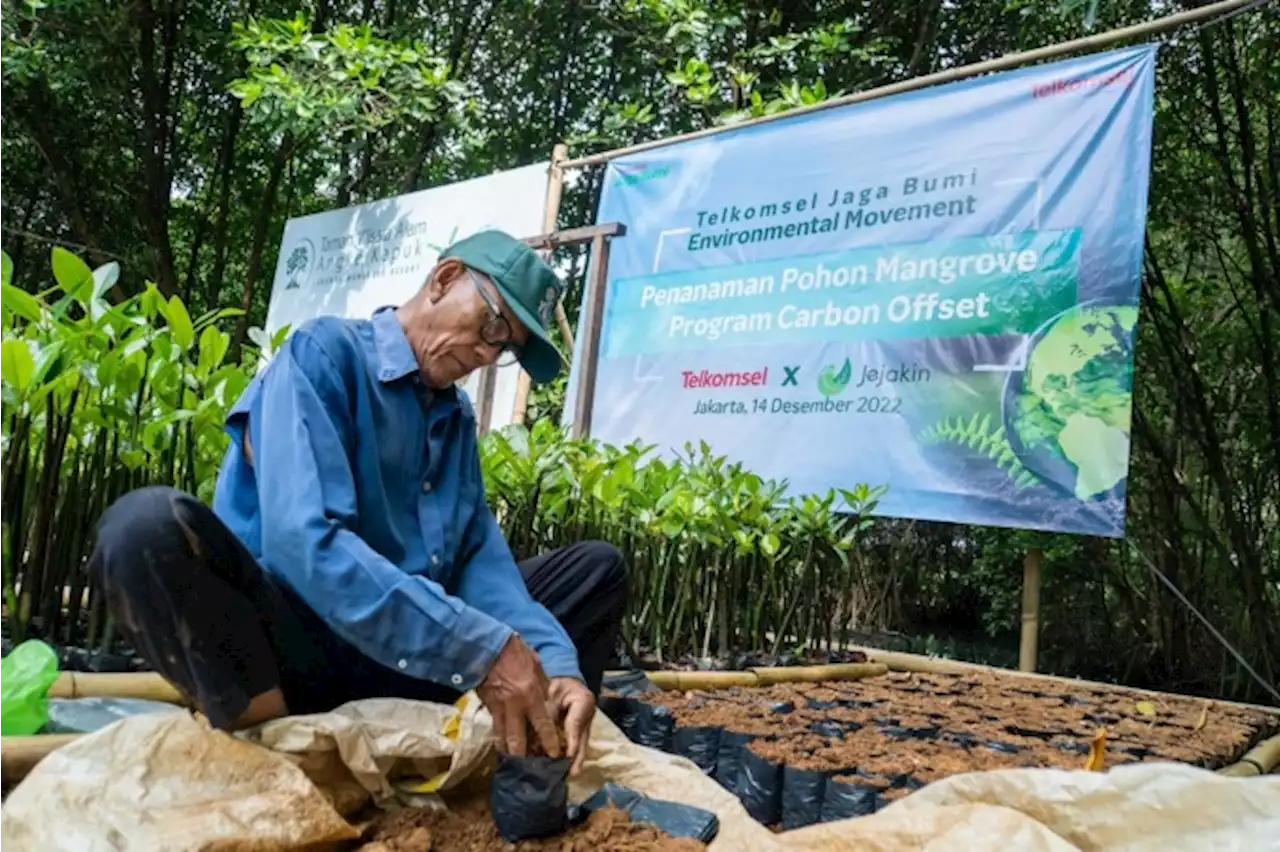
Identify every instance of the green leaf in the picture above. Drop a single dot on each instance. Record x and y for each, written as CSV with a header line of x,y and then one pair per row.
x,y
6,268
72,274
19,366
104,278
21,303
213,348
184,333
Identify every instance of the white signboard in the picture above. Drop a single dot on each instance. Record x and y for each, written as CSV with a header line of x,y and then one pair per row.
x,y
352,261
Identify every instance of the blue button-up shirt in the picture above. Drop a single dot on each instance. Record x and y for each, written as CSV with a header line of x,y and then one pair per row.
x,y
364,495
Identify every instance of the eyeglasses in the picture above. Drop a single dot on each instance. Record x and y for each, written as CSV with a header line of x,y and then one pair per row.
x,y
496,330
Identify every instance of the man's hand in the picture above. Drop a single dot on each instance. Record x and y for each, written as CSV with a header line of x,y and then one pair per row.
x,y
574,703
516,694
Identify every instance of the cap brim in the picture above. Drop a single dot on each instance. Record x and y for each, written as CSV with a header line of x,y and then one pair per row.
x,y
539,356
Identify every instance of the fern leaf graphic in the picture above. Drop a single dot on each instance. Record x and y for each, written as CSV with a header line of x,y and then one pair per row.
x,y
976,433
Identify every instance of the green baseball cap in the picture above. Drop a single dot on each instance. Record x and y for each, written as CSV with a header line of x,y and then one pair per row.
x,y
528,285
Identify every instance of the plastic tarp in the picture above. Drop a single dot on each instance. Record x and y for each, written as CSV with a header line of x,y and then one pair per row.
x,y
170,782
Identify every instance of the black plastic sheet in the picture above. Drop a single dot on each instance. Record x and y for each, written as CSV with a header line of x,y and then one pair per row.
x,y
622,711
802,795
628,684
701,745
672,818
530,797
759,788
842,799
654,726
729,758
782,706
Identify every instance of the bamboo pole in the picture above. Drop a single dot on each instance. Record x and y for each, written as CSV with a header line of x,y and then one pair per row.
x,y
1030,638
1012,60
900,661
550,213
814,674
147,685
19,755
1262,759
678,680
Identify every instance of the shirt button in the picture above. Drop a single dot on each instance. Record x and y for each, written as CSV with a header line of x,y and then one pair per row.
x,y
435,559
426,485
457,680
404,664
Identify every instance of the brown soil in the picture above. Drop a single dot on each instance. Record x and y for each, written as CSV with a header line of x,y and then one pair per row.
x,y
931,726
469,828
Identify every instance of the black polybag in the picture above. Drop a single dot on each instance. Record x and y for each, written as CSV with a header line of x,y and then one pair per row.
x,y
759,787
729,758
653,726
802,793
700,744
671,818
530,796
843,799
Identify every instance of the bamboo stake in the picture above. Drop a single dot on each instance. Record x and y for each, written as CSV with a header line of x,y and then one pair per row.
x,y
19,755
677,680
1259,760
1030,638
1012,60
148,685
550,213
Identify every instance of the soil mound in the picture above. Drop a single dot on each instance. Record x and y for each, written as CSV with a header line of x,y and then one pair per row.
x,y
470,828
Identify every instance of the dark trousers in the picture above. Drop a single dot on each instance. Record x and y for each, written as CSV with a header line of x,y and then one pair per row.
x,y
204,614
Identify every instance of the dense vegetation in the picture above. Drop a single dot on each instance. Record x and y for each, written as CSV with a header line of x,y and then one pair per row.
x,y
174,139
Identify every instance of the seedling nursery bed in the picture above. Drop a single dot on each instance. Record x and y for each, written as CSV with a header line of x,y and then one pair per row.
x,y
797,754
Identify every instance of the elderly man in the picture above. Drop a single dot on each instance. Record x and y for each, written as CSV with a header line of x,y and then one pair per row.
x,y
350,552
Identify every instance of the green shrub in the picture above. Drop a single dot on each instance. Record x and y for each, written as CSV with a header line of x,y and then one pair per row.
x,y
98,399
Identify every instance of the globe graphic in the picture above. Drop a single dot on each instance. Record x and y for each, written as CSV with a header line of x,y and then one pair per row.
x,y
1066,414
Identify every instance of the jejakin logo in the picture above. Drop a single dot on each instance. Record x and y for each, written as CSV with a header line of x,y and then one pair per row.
x,y
831,383
298,265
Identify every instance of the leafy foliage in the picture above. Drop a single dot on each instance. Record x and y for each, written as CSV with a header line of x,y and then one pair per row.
x,y
99,398
720,561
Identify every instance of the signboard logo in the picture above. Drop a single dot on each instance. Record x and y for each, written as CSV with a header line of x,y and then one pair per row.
x,y
831,383
547,305
298,266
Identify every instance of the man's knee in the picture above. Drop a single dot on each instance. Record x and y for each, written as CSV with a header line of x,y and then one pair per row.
x,y
139,526
609,569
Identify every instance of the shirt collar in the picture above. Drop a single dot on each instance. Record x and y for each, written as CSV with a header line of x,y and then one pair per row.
x,y
395,358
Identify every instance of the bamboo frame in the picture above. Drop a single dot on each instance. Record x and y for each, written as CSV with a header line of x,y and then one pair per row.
x,y
550,215
148,685
900,661
1012,60
1262,759
19,755
678,680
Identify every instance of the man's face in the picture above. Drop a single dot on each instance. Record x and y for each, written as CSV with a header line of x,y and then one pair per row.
x,y
469,325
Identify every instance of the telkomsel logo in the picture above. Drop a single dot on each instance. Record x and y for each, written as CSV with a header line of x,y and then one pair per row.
x,y
731,379
833,383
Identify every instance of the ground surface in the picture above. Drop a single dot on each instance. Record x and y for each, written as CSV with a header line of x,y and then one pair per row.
x,y
469,828
927,727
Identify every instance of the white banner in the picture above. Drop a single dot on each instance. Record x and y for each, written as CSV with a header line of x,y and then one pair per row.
x,y
352,261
